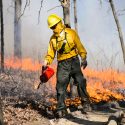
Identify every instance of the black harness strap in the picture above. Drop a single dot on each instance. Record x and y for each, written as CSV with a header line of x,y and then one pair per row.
x,y
62,49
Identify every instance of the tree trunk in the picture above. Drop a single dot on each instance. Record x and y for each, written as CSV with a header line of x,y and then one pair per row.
x,y
2,54
17,29
73,88
75,16
66,12
119,28
1,113
2,36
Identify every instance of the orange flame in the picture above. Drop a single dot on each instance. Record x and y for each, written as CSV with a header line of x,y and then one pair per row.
x,y
104,85
24,64
101,85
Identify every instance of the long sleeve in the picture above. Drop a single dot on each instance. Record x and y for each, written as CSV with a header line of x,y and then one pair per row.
x,y
50,53
81,49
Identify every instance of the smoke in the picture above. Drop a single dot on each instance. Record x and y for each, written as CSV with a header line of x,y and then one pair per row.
x,y
99,34
96,27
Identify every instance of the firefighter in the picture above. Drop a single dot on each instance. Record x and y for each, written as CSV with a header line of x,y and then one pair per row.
x,y
66,43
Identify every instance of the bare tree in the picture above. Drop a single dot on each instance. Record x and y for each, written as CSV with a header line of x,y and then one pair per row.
x,y
73,88
66,11
75,15
2,35
17,29
118,27
1,112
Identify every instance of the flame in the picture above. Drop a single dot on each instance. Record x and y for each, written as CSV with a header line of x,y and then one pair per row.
x,y
103,85
24,64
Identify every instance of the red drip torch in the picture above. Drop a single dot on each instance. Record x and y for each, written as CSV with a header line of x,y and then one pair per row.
x,y
46,74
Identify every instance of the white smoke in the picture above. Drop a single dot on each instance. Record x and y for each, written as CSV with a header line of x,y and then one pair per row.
x,y
97,30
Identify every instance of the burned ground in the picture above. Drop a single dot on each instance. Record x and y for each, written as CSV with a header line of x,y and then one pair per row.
x,y
22,105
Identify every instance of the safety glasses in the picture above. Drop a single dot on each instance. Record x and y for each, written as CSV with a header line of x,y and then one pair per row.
x,y
53,27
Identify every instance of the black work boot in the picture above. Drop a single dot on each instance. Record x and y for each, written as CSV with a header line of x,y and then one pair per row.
x,y
86,107
61,113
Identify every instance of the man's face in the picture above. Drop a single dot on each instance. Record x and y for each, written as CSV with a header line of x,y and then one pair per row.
x,y
54,28
57,28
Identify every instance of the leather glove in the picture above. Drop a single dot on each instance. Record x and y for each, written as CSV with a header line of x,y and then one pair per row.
x,y
44,67
84,63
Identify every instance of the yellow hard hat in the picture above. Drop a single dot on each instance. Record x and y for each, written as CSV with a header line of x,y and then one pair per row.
x,y
53,19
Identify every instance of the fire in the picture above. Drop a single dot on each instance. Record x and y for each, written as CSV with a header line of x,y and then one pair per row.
x,y
24,64
103,85
69,102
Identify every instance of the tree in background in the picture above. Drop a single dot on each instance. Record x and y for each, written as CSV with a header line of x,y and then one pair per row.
x,y
66,11
1,113
75,15
66,14
17,29
119,28
2,35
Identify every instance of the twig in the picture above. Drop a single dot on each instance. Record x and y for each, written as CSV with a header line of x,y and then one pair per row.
x,y
113,58
120,12
53,8
26,4
40,11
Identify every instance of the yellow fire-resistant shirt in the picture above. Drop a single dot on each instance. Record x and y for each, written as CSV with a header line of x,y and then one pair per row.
x,y
73,46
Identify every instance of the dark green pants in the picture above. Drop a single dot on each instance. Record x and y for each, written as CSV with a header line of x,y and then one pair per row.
x,y
66,69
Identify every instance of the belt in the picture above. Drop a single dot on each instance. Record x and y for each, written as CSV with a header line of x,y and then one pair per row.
x,y
69,59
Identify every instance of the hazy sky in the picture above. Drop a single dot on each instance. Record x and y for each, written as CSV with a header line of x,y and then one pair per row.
x,y
96,28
